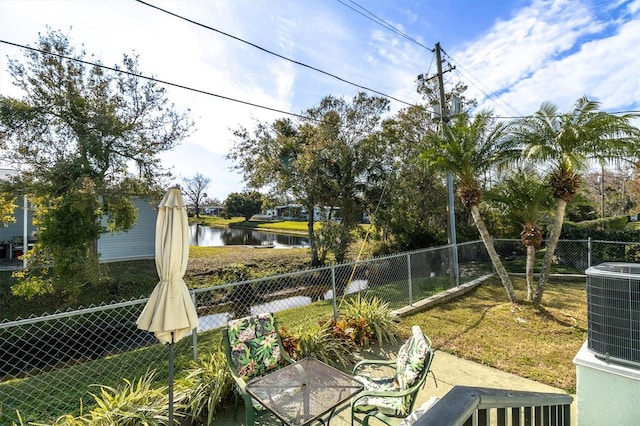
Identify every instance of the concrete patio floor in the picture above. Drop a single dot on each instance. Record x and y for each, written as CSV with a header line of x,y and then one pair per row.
x,y
448,370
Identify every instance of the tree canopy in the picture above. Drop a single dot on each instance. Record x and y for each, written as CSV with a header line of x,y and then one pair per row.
x,y
83,139
243,204
329,161
567,143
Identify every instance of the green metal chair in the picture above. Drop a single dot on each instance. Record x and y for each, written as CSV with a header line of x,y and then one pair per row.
x,y
386,398
253,348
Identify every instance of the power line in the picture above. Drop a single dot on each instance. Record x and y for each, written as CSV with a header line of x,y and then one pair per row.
x,y
382,23
390,27
204,92
157,80
274,54
488,95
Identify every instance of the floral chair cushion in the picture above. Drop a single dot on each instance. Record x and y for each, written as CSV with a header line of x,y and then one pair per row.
x,y
254,343
389,405
411,358
410,362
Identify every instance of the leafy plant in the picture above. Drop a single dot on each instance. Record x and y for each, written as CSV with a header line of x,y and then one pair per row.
x,y
290,342
135,404
366,318
355,330
321,344
206,385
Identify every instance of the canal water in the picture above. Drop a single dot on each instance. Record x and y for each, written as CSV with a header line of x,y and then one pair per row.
x,y
216,237
200,235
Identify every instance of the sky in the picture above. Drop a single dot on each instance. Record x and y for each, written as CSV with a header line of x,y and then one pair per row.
x,y
513,55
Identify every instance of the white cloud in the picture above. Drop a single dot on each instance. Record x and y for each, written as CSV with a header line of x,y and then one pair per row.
x,y
541,54
599,70
553,50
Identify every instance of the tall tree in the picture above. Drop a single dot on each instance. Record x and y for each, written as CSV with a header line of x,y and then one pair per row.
x,y
470,149
324,161
526,199
244,204
345,137
74,136
195,190
568,144
409,203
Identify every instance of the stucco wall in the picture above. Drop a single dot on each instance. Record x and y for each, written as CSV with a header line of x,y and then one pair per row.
x,y
607,393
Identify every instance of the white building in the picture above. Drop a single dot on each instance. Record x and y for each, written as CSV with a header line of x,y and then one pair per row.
x,y
137,243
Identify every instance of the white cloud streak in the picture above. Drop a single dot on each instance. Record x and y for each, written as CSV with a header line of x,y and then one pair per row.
x,y
558,51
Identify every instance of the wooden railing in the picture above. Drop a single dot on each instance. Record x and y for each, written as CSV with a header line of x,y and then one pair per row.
x,y
471,406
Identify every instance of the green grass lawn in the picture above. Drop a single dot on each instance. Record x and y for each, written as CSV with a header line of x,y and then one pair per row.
x,y
484,327
296,227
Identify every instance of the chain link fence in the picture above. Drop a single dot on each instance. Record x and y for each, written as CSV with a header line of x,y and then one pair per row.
x,y
51,365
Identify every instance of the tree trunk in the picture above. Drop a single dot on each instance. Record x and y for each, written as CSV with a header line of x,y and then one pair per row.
x,y
556,230
315,261
531,260
495,259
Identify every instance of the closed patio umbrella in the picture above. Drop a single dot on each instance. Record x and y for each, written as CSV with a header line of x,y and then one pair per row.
x,y
170,313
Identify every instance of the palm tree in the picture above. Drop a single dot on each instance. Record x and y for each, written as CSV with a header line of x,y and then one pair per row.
x,y
568,144
469,150
525,198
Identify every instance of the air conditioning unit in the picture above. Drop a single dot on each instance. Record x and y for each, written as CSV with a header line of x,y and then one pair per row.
x,y
613,312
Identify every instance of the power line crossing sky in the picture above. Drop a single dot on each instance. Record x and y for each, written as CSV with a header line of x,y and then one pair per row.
x,y
513,55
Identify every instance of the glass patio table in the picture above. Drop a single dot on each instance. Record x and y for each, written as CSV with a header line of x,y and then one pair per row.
x,y
303,392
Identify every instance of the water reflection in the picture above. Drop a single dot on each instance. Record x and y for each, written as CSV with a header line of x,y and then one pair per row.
x,y
200,235
356,285
209,322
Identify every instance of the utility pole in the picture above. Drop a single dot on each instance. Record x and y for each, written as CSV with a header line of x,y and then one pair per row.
x,y
450,206
602,193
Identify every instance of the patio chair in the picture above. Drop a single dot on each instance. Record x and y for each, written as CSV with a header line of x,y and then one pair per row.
x,y
391,397
253,348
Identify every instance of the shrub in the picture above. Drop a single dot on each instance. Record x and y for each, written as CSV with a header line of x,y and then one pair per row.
x,y
290,342
135,404
354,330
320,343
207,384
369,318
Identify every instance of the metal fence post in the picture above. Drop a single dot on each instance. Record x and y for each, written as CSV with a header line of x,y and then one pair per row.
x,y
409,278
589,252
456,265
194,332
335,295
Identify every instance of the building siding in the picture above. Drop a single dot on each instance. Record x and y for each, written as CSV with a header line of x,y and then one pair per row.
x,y
138,242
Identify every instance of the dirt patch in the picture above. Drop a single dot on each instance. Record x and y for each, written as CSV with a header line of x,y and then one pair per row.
x,y
236,263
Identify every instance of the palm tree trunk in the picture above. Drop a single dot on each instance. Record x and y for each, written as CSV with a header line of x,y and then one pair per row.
x,y
531,260
493,255
552,244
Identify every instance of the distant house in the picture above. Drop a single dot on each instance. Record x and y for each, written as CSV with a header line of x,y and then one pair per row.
x,y
213,210
14,233
137,243
299,212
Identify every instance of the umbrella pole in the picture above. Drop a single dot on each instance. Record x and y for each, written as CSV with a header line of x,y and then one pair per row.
x,y
171,381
